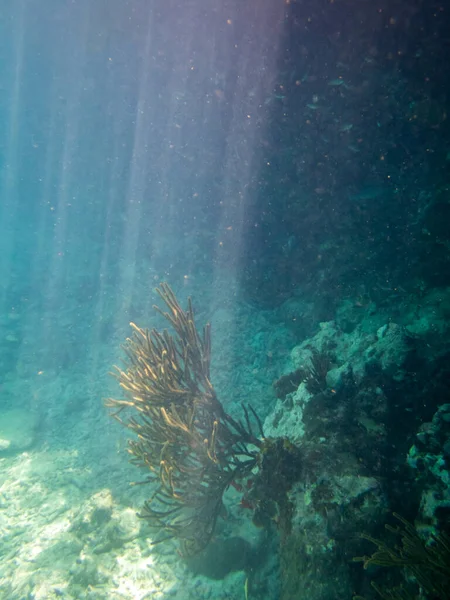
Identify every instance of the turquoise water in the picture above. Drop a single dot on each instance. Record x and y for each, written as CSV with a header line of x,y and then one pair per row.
x,y
284,164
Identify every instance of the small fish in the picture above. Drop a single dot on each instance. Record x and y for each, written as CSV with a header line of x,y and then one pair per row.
x,y
246,588
336,82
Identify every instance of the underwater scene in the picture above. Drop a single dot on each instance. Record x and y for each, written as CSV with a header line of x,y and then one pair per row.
x,y
224,300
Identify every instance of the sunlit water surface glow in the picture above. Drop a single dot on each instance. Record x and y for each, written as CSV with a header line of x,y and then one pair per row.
x,y
131,137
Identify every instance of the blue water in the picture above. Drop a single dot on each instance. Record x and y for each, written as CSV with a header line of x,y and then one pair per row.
x,y
285,164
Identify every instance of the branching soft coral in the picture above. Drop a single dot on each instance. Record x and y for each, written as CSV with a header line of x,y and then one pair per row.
x,y
428,562
191,448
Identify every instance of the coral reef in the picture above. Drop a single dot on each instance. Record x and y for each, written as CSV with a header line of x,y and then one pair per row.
x,y
356,424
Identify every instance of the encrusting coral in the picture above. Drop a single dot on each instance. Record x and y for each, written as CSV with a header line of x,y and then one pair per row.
x,y
191,448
